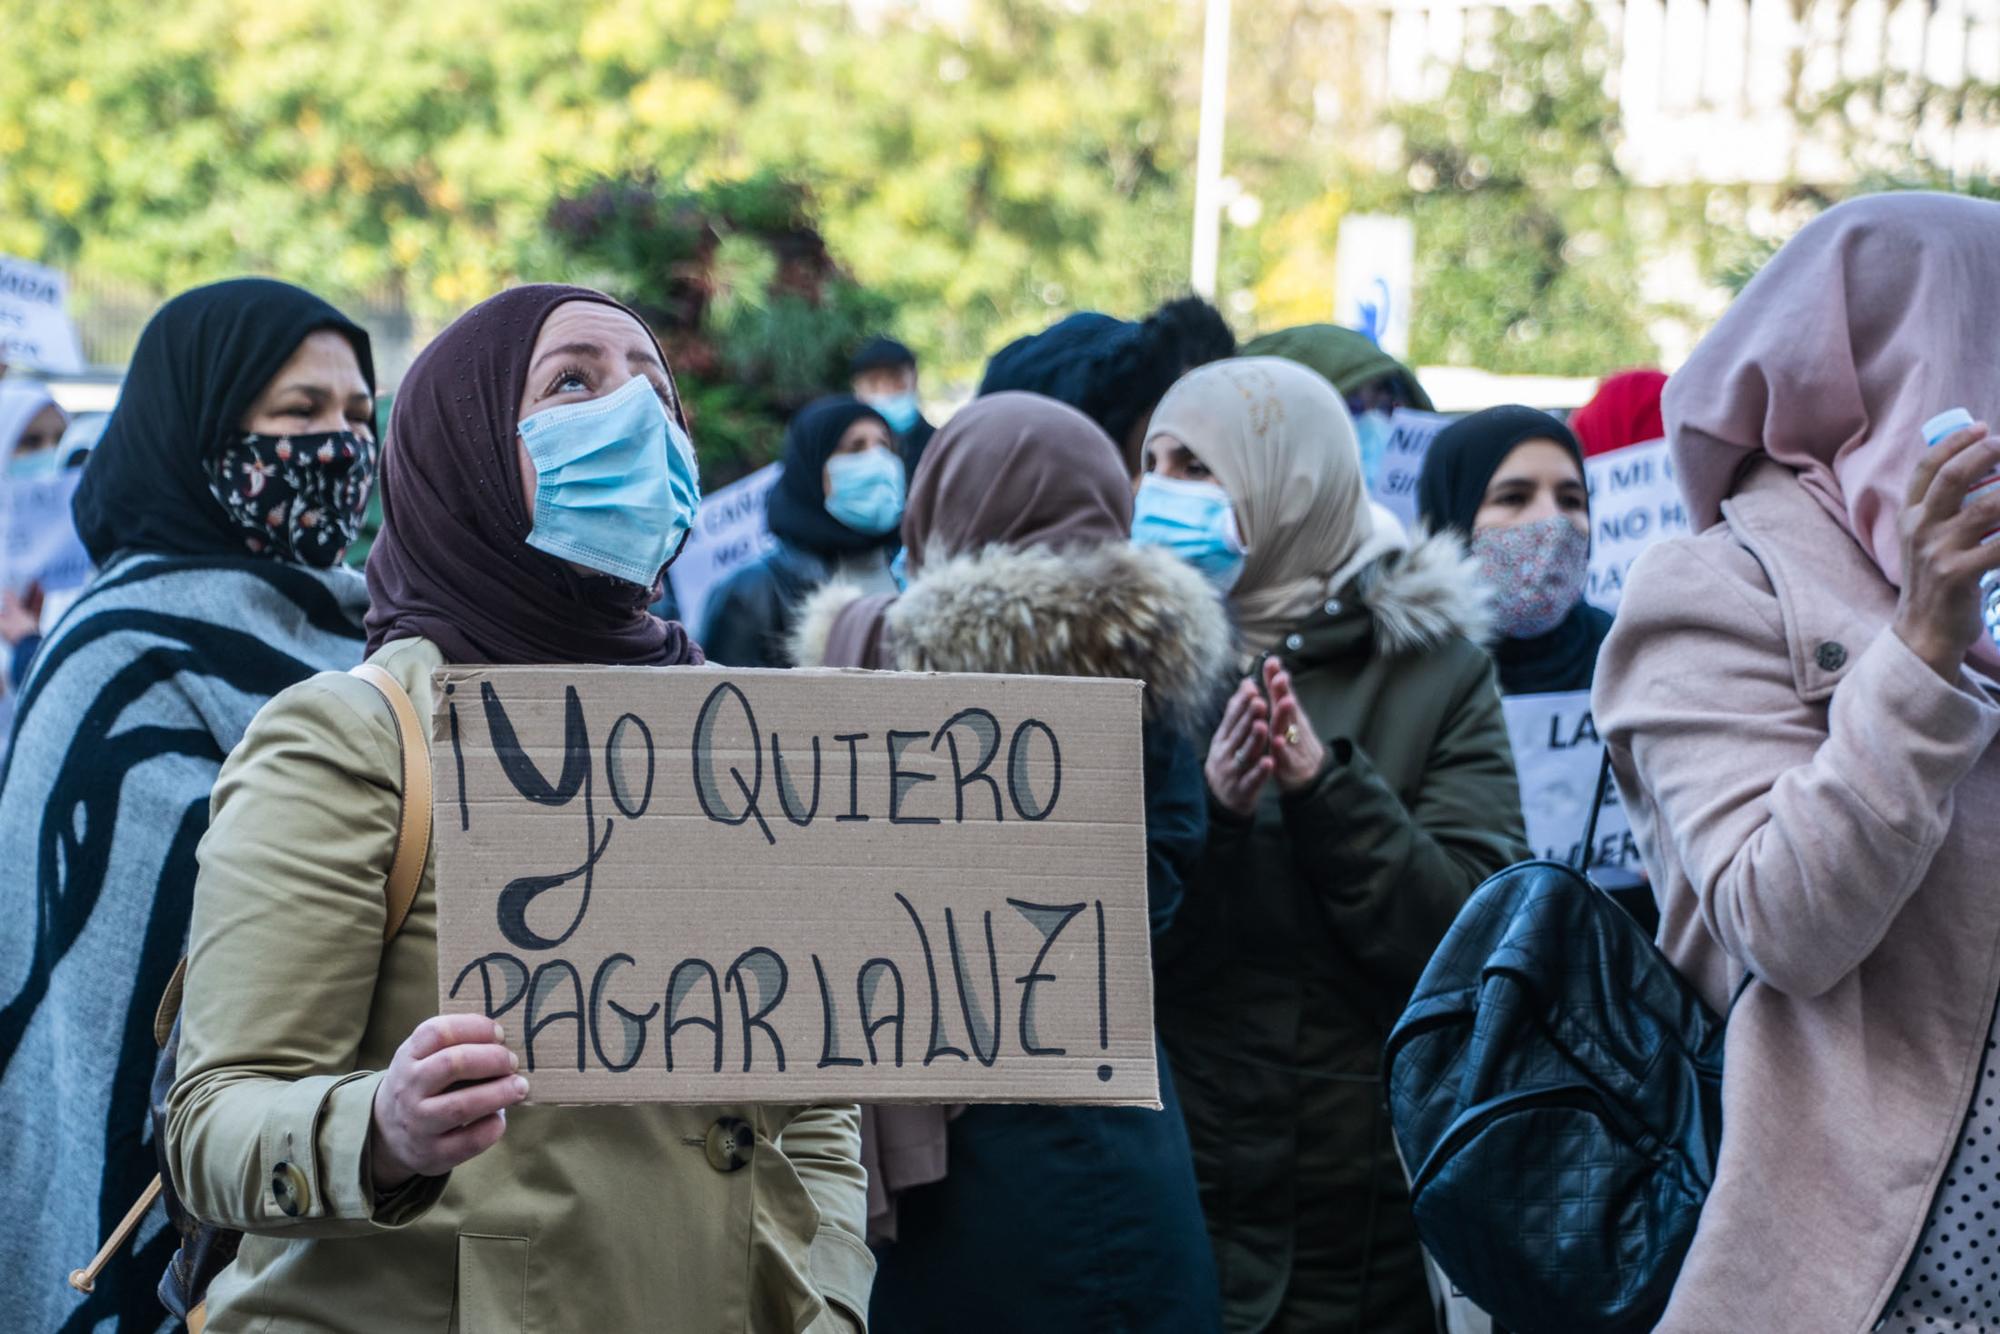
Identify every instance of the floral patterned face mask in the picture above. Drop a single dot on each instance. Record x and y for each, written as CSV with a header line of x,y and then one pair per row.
x,y
295,497
1536,571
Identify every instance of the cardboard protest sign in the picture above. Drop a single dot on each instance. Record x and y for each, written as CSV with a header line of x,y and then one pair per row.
x,y
1557,757
697,885
1395,481
1634,503
38,541
729,533
35,329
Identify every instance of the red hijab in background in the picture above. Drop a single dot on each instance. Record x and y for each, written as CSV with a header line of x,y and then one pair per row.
x,y
452,563
1626,411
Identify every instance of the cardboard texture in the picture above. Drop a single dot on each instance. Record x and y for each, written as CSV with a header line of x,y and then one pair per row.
x,y
703,885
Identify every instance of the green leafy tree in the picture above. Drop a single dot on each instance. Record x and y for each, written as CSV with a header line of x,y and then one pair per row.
x,y
1527,259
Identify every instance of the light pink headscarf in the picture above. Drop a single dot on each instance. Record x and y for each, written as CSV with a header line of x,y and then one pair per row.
x,y
1879,315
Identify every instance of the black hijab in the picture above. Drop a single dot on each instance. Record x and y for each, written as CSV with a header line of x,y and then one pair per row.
x,y
1456,473
202,361
452,562
796,507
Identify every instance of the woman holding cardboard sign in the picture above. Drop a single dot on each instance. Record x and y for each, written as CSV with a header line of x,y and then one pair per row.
x,y
1360,787
1041,1217
538,481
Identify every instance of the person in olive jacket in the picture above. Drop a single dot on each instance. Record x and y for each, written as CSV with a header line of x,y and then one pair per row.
x,y
1360,787
377,1155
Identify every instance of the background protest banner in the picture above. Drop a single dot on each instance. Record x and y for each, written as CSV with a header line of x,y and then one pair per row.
x,y
38,541
1395,481
729,532
34,319
696,885
1633,504
1557,756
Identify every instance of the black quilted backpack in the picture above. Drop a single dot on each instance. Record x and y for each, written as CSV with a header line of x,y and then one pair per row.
x,y
1556,1092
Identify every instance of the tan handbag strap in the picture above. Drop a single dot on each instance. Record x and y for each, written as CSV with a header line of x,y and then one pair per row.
x,y
413,834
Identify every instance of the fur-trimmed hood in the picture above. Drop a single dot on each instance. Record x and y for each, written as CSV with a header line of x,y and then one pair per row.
x,y
1114,610
1423,596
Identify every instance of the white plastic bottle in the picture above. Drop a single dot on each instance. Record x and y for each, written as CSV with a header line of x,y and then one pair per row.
x,y
1948,423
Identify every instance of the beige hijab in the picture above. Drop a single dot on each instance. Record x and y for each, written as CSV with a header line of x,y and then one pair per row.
x,y
1279,440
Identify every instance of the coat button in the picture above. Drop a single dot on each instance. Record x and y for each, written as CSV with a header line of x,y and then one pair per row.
x,y
1295,642
289,1190
1333,606
1830,656
730,1141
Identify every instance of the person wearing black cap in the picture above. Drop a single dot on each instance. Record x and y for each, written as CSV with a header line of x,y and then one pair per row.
x,y
1114,371
885,378
1510,481
836,511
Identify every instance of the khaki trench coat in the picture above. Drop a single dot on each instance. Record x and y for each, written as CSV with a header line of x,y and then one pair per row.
x,y
603,1218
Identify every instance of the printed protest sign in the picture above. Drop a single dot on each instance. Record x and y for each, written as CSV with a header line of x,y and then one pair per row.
x,y
1633,504
38,541
697,885
1395,481
34,319
729,532
1557,757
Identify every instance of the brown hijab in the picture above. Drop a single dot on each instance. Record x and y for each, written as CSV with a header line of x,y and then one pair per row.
x,y
1009,470
452,563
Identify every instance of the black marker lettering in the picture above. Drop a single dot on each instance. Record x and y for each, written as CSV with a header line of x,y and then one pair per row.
x,y
458,754
632,1027
939,1046
513,976
615,766
769,969
977,1024
787,794
987,728
902,780
1019,790
829,1046
1049,919
676,993
705,787
866,983
538,993
853,741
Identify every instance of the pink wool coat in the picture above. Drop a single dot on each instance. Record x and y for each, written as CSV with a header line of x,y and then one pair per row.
x,y
1819,808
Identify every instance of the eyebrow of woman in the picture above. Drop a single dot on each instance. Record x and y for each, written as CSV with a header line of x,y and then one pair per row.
x,y
637,354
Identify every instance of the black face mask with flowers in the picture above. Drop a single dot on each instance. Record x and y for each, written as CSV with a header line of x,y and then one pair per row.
x,y
295,497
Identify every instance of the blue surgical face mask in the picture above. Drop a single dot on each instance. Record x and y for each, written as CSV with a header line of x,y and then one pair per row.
x,y
1195,521
34,466
899,410
865,490
616,486
1371,432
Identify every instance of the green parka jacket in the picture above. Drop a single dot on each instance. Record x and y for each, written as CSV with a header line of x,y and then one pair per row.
x,y
1305,931
598,1218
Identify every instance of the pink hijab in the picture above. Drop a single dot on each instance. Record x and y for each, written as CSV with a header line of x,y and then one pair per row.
x,y
1879,315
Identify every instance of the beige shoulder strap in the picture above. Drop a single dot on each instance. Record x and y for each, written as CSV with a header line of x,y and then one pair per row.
x,y
413,835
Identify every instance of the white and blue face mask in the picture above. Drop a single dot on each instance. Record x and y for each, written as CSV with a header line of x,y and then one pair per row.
x,y
1371,432
1195,521
865,490
899,410
616,483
